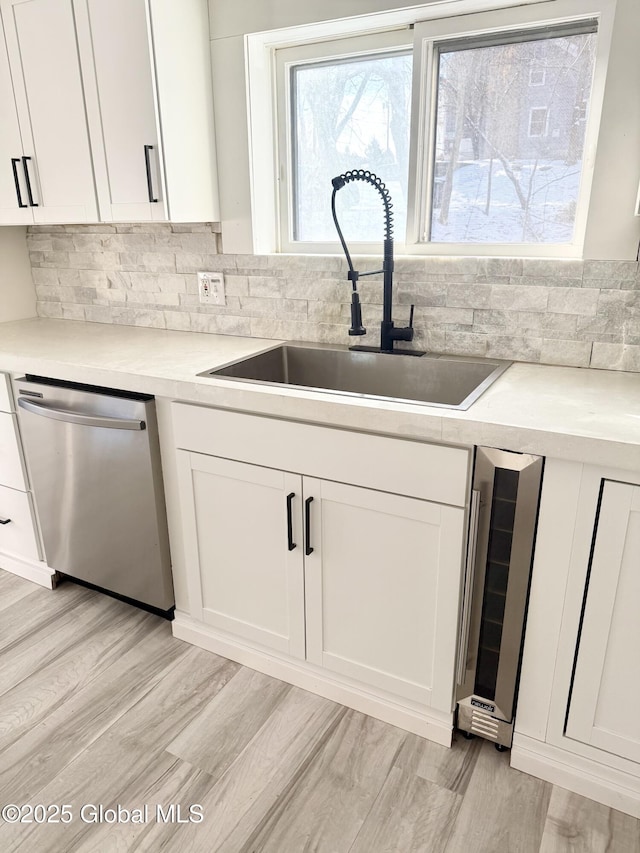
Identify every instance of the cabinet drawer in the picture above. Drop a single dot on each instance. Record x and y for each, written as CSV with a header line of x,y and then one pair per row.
x,y
6,400
427,471
11,468
18,535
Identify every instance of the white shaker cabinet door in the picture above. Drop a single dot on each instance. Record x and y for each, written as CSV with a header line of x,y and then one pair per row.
x,y
11,467
17,525
243,576
605,697
382,579
14,209
117,59
45,67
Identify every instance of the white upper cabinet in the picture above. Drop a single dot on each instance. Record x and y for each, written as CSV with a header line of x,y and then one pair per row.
x,y
13,208
54,172
107,112
121,109
148,91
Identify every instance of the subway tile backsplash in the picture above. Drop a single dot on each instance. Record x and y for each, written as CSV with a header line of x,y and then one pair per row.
x,y
557,312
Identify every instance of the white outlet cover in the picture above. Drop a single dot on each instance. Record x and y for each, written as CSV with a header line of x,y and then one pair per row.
x,y
211,288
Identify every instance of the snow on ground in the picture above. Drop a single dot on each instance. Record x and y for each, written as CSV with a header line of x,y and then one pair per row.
x,y
552,189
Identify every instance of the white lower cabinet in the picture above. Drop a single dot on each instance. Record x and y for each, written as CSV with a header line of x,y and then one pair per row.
x,y
377,565
243,578
11,467
19,539
604,707
17,528
345,589
578,723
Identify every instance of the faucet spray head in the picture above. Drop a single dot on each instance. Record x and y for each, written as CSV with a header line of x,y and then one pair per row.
x,y
356,316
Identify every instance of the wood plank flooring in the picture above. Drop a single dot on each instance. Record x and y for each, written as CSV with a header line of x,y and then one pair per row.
x,y
100,705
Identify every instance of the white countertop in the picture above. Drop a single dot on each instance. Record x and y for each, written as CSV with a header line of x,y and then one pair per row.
x,y
571,413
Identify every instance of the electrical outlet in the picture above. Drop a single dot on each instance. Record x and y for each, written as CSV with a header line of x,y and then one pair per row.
x,y
211,288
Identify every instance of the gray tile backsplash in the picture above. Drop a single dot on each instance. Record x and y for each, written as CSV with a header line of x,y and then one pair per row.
x,y
557,312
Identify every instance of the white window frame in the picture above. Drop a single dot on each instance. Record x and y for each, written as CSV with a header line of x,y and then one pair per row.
x,y
545,129
464,18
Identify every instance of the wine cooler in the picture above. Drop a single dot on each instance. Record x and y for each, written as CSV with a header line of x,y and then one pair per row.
x,y
503,516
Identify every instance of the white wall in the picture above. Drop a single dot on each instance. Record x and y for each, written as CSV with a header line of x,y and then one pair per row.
x,y
17,292
617,168
615,181
233,18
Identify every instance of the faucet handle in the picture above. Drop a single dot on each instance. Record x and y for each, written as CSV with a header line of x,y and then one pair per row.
x,y
404,333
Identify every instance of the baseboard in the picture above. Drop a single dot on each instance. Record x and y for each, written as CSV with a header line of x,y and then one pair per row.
x,y
431,725
30,570
598,782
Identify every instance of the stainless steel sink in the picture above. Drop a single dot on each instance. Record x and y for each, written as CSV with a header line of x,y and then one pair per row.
x,y
448,382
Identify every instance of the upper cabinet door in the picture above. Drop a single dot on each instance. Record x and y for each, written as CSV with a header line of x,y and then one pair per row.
x,y
45,67
14,209
147,72
119,73
603,710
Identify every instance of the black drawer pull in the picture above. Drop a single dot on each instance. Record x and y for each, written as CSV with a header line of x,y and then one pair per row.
x,y
290,543
25,160
147,164
5,520
307,526
14,166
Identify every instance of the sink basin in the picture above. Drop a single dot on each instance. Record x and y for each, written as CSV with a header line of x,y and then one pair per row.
x,y
448,382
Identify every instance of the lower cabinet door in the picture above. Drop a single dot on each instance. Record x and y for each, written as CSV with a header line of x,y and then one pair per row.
x,y
243,546
17,526
11,470
382,580
605,696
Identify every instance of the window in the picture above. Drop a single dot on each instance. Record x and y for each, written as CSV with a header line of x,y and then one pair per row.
x,y
449,115
347,106
496,177
349,113
538,121
537,76
581,111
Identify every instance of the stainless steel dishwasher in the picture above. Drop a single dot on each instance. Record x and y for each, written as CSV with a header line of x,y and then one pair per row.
x,y
94,462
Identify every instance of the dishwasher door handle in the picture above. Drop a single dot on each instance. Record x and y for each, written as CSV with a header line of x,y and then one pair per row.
x,y
78,417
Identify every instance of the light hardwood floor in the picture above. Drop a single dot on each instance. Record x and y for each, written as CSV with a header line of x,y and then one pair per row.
x,y
100,705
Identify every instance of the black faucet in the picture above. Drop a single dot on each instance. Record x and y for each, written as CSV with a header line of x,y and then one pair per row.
x,y
388,332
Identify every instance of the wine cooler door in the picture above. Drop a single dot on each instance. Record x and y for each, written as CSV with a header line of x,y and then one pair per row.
x,y
507,487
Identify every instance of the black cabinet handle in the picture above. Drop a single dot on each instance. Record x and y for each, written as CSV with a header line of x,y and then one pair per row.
x,y
307,526
25,160
147,164
290,543
14,166
5,520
